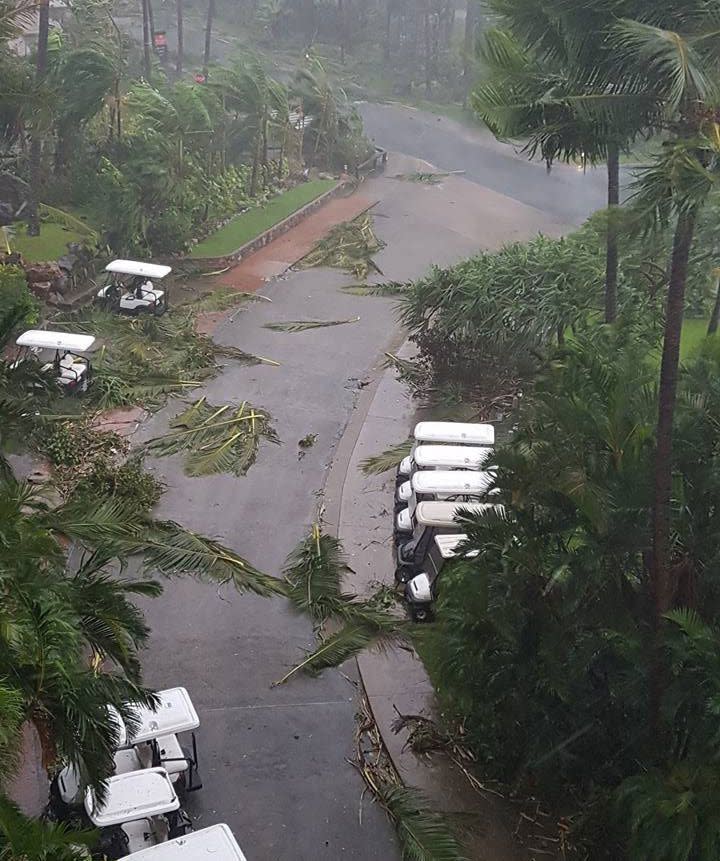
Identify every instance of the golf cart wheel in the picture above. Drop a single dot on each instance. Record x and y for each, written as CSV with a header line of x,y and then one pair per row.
x,y
159,308
402,575
421,613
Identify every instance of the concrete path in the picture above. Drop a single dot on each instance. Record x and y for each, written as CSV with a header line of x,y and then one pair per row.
x,y
276,257
566,192
273,759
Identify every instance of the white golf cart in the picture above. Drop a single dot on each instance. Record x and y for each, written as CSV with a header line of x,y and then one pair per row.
x,y
215,843
61,353
437,485
445,433
441,457
421,590
153,744
430,519
141,809
132,288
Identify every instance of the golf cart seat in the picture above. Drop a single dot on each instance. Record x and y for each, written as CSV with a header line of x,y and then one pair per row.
x,y
172,756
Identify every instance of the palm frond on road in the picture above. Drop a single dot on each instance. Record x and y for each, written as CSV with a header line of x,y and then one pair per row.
x,y
388,288
216,439
172,551
348,246
303,325
425,835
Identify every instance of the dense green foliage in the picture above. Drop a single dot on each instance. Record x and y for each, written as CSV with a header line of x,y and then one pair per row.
x,y
545,640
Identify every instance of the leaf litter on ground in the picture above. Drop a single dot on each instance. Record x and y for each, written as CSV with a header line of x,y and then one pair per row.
x,y
349,246
419,176
216,439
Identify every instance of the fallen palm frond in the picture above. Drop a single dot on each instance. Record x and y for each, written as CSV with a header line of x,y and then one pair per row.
x,y
348,246
216,439
386,460
302,325
223,299
389,288
424,834
171,550
242,357
68,221
313,574
419,176
144,359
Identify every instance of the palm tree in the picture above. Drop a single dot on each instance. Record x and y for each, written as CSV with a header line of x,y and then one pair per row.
x,y
248,91
180,39
542,95
679,71
25,839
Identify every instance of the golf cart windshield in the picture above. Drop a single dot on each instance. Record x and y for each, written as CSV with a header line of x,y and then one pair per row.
x,y
175,713
132,796
135,267
214,844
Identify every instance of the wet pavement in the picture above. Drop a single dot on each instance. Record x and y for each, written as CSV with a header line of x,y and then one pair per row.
x,y
273,760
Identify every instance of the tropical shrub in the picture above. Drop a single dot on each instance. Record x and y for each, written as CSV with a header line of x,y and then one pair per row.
x,y
17,304
545,645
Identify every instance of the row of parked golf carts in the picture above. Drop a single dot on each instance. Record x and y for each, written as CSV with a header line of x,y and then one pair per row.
x,y
444,472
132,288
141,817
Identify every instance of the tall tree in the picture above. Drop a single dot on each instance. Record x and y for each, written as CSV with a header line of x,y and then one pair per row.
x,y
33,224
208,36
147,40
180,39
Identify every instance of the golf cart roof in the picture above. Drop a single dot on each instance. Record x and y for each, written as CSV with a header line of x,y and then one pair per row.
x,y
174,714
451,456
131,796
462,481
215,843
459,433
448,545
136,267
44,340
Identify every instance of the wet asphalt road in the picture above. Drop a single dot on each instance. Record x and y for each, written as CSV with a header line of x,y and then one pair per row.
x,y
566,192
273,760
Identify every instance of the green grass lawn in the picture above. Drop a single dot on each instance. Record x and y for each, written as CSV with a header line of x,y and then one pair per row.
x,y
694,331
249,225
50,245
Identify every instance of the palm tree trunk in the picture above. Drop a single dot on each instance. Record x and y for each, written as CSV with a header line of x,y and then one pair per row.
x,y
715,316
180,39
611,258
147,58
33,220
256,165
341,25
428,49
662,587
388,30
469,45
151,22
208,36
